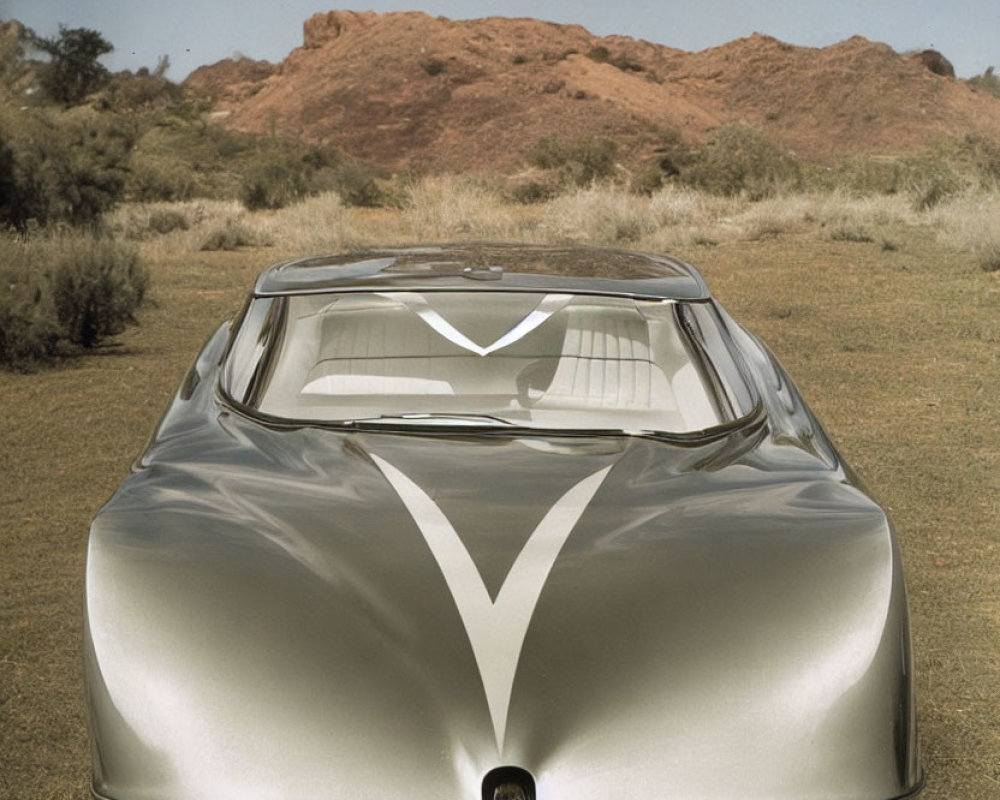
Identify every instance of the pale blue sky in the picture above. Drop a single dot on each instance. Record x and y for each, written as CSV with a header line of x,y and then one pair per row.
x,y
196,32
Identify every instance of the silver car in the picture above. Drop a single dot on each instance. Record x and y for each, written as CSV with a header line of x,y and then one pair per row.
x,y
498,522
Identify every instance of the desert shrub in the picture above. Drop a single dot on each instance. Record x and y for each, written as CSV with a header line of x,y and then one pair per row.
x,y
673,154
359,185
272,182
929,179
232,235
989,257
533,191
648,179
79,288
980,157
142,90
626,64
581,161
988,82
861,175
433,66
161,179
141,221
179,157
851,233
97,285
167,220
285,171
29,331
740,160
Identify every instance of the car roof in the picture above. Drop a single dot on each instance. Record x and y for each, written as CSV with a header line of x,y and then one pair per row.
x,y
489,267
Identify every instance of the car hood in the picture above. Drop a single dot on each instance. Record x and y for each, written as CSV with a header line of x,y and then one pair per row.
x,y
314,614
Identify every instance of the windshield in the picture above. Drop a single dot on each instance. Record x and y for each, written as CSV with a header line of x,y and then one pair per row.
x,y
553,361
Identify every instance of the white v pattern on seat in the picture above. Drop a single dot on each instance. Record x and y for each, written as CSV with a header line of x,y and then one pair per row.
x,y
496,630
417,303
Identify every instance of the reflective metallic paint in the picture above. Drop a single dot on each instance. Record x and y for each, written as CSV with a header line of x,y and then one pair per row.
x,y
723,619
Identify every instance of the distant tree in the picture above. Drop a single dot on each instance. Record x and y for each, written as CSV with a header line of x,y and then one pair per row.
x,y
162,65
58,169
73,70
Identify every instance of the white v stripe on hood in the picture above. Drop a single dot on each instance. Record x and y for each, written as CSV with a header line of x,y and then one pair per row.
x,y
496,630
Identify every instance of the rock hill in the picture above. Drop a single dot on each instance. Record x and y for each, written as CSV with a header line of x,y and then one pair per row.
x,y
406,90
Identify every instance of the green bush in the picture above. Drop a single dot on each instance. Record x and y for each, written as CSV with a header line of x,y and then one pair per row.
x,y
980,156
29,331
360,185
161,179
283,172
648,180
272,182
97,285
179,156
61,167
931,178
861,175
582,161
141,91
739,159
78,288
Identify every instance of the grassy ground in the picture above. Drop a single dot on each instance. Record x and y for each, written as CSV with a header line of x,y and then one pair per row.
x,y
895,341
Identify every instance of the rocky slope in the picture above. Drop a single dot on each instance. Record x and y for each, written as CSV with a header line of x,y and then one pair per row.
x,y
407,90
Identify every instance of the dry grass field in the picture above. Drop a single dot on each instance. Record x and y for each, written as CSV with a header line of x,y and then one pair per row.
x,y
884,316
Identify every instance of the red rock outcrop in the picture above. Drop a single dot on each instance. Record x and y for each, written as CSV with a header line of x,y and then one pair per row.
x,y
411,91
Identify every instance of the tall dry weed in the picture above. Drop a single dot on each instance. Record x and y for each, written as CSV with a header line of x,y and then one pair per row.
x,y
446,207
597,215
